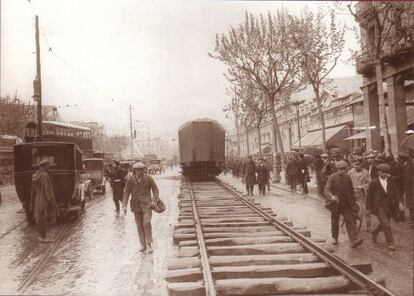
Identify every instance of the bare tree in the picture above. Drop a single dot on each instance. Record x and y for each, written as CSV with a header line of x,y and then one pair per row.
x,y
384,35
241,112
321,47
255,103
261,50
16,113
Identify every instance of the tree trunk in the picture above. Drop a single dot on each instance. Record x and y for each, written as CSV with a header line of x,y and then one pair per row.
x,y
238,137
321,119
259,135
381,100
247,140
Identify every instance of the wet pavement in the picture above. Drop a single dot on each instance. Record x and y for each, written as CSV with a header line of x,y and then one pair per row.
x,y
97,254
395,267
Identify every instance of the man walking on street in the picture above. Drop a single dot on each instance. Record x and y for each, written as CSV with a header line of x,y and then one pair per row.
x,y
326,171
140,186
118,183
263,177
302,173
339,192
382,200
42,203
291,173
250,175
360,181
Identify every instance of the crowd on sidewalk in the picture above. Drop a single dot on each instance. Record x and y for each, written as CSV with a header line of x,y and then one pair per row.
x,y
351,184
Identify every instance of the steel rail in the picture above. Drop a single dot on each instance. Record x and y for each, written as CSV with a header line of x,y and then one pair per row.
x,y
340,265
205,264
49,252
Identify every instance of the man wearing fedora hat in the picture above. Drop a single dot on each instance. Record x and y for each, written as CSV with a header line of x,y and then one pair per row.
x,y
382,199
140,186
118,176
42,203
339,192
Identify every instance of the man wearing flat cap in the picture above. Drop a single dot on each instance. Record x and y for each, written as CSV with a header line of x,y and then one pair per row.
x,y
42,203
339,192
382,200
140,186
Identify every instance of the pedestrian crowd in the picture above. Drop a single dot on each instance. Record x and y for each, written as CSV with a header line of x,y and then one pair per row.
x,y
354,185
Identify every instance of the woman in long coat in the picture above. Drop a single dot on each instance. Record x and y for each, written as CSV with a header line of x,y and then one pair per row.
x,y
42,203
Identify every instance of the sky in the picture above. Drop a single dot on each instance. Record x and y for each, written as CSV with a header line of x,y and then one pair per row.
x,y
106,55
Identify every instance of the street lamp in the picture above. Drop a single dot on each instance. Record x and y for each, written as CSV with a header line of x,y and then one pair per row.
x,y
296,104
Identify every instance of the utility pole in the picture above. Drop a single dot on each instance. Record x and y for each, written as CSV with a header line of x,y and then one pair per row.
x,y
37,83
297,103
130,127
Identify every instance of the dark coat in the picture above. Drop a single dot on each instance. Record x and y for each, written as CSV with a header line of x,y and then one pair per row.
x,y
140,192
42,202
302,170
376,197
341,185
409,183
291,168
326,171
250,173
263,175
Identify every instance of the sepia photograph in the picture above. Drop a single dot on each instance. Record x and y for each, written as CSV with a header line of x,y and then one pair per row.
x,y
206,147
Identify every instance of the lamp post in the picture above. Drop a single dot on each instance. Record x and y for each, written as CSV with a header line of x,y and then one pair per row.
x,y
297,104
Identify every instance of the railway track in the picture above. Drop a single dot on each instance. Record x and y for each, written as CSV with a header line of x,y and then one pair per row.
x,y
229,245
38,267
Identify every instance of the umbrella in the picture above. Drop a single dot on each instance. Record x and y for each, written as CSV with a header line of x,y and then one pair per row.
x,y
407,143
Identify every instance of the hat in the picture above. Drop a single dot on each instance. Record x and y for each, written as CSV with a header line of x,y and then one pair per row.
x,y
138,165
324,155
341,164
383,167
371,155
43,163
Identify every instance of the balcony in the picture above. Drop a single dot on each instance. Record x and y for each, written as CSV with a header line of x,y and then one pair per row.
x,y
364,63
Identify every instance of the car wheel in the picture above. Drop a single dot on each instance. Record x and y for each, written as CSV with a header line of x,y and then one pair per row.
x,y
90,191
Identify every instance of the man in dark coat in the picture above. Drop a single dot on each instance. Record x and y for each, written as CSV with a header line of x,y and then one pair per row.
x,y
118,183
292,172
302,173
42,203
327,169
140,186
263,177
250,175
382,200
339,192
409,185
317,165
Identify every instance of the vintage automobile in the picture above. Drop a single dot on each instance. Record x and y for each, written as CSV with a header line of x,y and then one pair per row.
x,y
65,172
155,166
93,176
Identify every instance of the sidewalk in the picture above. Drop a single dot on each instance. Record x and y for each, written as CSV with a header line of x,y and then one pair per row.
x,y
307,210
312,187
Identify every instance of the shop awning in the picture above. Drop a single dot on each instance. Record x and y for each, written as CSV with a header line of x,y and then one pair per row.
x,y
314,138
358,136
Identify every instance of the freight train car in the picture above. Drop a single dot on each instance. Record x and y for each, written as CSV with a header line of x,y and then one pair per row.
x,y
202,145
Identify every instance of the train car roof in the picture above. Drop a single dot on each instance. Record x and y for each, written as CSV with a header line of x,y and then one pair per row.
x,y
46,144
214,122
69,125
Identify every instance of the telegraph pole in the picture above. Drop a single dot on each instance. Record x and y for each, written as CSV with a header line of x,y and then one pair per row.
x,y
37,84
130,127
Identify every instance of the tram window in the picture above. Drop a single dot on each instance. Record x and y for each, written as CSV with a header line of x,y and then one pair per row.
x,y
38,159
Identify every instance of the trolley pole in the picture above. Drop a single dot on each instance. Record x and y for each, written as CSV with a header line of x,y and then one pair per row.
x,y
37,83
130,127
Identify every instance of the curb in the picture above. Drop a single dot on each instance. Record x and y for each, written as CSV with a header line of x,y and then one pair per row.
x,y
311,195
